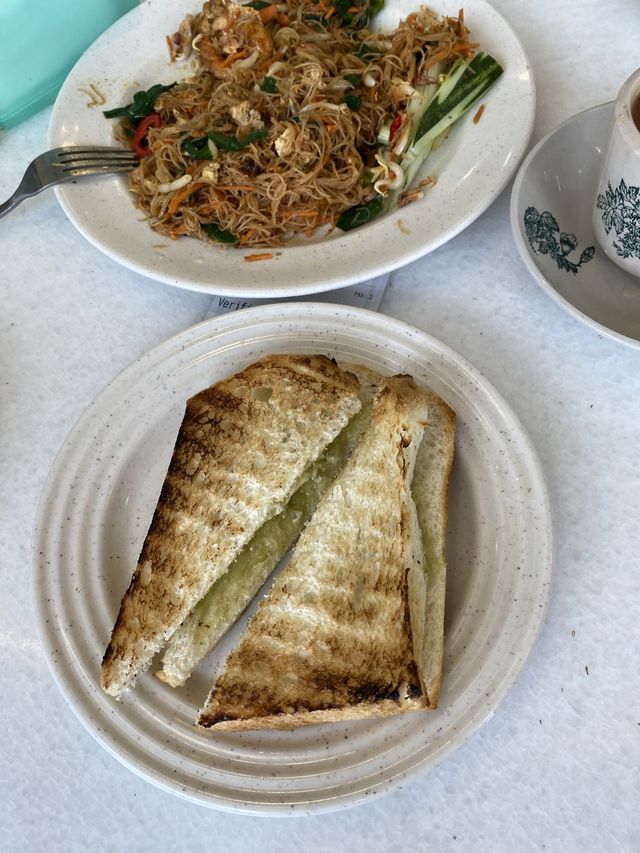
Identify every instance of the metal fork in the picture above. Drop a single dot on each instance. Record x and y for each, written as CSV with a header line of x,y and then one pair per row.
x,y
67,164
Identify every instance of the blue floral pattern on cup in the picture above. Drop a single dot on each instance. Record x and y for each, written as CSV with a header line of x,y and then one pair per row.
x,y
545,238
621,211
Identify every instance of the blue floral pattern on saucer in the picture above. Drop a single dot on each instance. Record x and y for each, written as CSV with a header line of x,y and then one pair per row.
x,y
545,238
621,211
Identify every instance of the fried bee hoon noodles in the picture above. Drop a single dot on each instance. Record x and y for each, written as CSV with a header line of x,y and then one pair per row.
x,y
279,129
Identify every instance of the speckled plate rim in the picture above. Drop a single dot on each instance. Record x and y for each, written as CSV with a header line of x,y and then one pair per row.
x,y
471,177
524,250
84,699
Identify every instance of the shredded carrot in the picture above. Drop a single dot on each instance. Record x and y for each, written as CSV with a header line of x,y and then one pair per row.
x,y
220,64
448,53
247,236
268,13
234,57
478,115
283,20
305,214
210,207
264,256
353,10
182,195
178,231
330,11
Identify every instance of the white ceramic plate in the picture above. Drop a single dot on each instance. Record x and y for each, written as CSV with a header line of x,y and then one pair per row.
x,y
98,503
559,178
472,167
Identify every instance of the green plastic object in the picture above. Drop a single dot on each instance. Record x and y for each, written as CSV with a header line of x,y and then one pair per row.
x,y
41,41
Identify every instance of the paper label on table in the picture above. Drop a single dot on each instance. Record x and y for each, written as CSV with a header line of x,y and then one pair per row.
x,y
366,294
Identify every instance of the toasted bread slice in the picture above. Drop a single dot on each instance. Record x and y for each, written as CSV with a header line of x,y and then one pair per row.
x,y
333,640
231,594
242,450
430,488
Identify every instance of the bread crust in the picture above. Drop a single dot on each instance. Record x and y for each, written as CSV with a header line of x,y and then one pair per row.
x,y
357,711
242,447
430,489
333,640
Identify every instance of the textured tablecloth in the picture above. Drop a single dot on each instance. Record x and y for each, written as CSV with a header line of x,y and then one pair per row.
x,y
557,767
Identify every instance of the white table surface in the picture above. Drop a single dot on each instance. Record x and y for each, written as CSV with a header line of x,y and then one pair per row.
x,y
557,767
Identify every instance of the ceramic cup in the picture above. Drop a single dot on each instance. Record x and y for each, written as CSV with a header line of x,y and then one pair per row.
x,y
616,214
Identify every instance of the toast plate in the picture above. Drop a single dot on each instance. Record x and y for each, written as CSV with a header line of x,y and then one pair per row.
x,y
472,167
97,505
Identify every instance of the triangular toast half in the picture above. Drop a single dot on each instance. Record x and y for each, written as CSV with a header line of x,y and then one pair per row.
x,y
333,640
242,449
430,491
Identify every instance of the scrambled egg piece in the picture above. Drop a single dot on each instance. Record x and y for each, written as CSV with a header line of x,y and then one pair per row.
x,y
285,144
245,117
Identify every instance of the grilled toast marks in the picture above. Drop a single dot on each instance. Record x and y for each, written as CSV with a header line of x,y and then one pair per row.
x,y
229,596
242,448
332,640
429,487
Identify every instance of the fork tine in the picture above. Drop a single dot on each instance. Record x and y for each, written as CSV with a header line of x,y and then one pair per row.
x,y
92,165
73,151
92,161
96,162
97,156
102,169
88,158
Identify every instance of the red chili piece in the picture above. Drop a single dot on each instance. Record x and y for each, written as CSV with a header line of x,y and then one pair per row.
x,y
395,127
140,141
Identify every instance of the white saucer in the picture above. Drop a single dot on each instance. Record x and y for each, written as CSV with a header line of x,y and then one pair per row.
x,y
551,207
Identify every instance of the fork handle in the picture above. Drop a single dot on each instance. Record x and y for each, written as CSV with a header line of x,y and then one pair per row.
x,y
10,203
27,188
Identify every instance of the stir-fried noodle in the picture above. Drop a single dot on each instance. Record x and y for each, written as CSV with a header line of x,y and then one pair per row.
x,y
277,131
